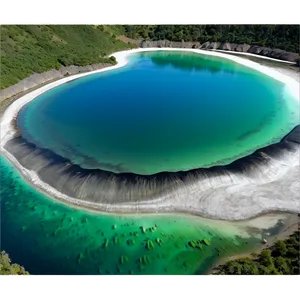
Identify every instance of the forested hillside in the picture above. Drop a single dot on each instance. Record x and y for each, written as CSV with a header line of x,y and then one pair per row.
x,y
26,49
281,259
284,37
9,268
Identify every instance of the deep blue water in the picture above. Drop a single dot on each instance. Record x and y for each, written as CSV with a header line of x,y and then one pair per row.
x,y
165,111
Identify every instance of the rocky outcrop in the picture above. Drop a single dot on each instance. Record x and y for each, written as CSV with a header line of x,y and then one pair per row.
x,y
37,79
169,44
264,51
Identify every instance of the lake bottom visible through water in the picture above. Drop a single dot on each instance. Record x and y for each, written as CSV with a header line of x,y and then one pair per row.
x,y
48,237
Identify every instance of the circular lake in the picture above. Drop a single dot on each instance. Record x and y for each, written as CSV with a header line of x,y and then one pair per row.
x,y
164,111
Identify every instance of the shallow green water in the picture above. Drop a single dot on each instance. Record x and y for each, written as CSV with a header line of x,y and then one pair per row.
x,y
48,237
164,111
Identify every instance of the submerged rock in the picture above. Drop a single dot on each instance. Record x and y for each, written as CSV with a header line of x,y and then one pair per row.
x,y
199,245
116,240
152,229
84,220
206,242
105,244
144,260
54,233
79,257
150,245
124,259
23,228
130,242
192,244
158,241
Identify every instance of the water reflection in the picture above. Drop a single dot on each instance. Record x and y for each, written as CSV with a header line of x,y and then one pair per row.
x,y
192,62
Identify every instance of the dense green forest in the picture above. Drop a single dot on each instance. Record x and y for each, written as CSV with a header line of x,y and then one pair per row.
x,y
281,259
7,268
285,37
26,49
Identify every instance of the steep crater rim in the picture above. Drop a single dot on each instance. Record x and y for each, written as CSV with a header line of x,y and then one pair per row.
x,y
117,168
262,182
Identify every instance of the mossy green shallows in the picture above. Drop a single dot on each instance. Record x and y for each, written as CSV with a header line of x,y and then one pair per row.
x,y
95,238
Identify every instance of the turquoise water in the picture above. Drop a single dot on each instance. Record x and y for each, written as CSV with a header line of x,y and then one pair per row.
x,y
164,111
48,237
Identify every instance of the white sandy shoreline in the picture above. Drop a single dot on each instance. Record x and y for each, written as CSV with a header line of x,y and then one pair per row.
x,y
215,197
254,55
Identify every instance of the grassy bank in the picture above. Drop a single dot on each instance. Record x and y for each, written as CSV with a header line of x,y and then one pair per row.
x,y
27,49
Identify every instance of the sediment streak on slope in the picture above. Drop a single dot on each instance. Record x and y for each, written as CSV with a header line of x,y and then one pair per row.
x,y
241,190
